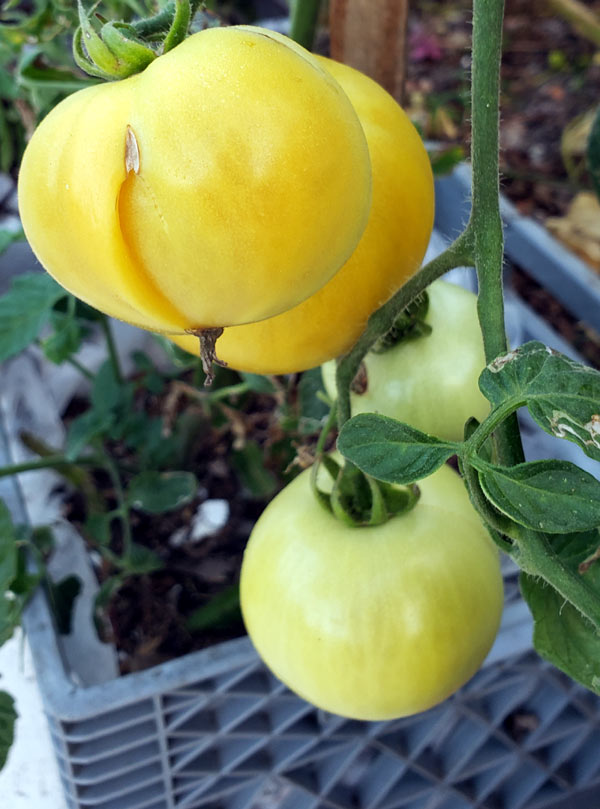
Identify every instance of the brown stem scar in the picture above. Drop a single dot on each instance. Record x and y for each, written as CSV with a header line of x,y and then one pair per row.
x,y
208,339
132,152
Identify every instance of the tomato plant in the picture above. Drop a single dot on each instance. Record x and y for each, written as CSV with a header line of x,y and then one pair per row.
x,y
429,381
390,250
372,623
223,184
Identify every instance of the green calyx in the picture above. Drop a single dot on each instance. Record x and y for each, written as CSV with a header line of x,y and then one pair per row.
x,y
409,325
112,50
358,499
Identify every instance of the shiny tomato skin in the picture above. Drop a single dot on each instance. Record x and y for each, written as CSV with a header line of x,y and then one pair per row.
x,y
431,382
372,623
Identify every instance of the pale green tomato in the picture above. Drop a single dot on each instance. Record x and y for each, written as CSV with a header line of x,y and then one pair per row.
x,y
372,623
430,382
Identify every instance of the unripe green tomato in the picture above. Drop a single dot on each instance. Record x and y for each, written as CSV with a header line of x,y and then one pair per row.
x,y
372,623
430,382
391,249
224,184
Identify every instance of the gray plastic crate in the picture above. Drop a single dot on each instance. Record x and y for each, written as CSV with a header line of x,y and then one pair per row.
x,y
527,245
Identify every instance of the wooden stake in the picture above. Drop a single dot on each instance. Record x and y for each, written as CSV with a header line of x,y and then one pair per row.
x,y
370,35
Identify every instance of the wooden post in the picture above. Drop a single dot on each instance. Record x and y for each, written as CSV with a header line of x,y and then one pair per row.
x,y
370,35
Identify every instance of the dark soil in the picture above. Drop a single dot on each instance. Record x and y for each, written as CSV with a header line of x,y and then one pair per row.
x,y
550,75
146,617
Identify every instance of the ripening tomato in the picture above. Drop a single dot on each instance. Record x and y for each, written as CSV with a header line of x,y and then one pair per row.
x,y
392,247
225,183
430,382
372,623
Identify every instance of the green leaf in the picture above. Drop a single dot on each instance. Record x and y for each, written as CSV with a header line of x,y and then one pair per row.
x,y
10,615
24,310
222,609
552,496
509,376
249,464
258,383
66,339
152,380
8,237
140,561
33,74
8,717
561,634
24,582
97,526
312,408
562,396
107,590
593,153
84,429
108,391
8,549
445,161
62,596
156,492
391,451
42,538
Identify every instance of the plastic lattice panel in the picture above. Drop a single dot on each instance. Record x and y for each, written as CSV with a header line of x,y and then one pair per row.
x,y
519,736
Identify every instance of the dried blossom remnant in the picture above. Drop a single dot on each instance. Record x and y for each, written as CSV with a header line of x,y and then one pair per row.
x,y
360,383
132,152
208,339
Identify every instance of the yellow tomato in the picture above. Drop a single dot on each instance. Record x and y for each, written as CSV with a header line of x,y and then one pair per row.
x,y
372,623
225,183
431,382
390,251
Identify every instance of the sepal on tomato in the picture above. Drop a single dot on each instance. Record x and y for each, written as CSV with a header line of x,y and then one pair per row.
x,y
359,500
113,52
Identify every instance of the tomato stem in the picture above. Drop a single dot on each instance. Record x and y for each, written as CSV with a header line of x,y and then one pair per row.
x,y
457,254
537,557
303,23
485,222
112,349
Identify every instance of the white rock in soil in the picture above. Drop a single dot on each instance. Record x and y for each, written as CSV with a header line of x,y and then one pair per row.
x,y
209,518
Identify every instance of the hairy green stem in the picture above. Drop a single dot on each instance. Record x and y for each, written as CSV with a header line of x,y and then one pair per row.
x,y
537,557
51,462
500,524
303,24
122,510
326,429
80,367
156,25
457,254
485,221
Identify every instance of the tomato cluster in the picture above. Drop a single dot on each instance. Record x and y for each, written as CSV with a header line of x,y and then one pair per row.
x,y
241,182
